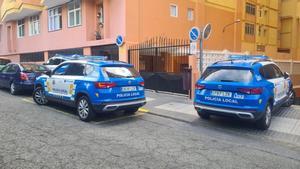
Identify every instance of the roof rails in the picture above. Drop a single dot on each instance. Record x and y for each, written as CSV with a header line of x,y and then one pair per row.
x,y
82,57
257,58
248,57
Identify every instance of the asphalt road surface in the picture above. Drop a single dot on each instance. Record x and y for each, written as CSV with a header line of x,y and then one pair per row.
x,y
51,136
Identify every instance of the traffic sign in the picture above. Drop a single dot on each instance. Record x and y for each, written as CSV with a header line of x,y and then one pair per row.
x,y
119,40
206,31
193,48
194,34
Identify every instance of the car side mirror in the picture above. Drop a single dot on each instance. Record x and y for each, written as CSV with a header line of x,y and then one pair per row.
x,y
48,73
286,75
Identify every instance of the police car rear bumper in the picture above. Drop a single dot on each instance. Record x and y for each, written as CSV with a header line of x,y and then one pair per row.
x,y
247,115
109,107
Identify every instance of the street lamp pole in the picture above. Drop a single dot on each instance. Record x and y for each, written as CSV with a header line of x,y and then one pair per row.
x,y
235,22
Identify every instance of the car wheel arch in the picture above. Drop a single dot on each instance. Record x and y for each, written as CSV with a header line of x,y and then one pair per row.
x,y
271,102
38,85
79,95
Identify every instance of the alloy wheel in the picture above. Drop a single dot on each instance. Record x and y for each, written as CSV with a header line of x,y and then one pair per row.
x,y
39,97
83,109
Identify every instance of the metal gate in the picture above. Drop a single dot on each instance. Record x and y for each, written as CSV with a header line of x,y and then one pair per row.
x,y
163,63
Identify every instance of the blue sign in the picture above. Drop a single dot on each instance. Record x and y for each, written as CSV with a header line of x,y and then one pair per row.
x,y
194,34
119,40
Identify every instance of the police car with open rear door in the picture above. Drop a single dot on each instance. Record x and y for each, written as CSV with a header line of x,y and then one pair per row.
x,y
92,85
247,87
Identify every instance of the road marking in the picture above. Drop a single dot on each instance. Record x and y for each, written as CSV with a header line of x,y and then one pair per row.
x,y
117,119
143,110
28,101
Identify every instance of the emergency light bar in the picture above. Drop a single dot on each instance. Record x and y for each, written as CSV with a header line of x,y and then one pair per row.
x,y
248,57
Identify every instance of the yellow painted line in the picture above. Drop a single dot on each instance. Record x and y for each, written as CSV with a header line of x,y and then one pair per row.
x,y
28,101
117,119
143,110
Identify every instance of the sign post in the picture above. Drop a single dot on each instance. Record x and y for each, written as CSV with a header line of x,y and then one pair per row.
x,y
205,34
195,34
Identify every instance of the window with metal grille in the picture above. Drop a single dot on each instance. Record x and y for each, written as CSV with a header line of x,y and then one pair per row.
x,y
249,29
250,9
32,57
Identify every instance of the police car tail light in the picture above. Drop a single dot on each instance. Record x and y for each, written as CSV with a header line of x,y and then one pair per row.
x,y
199,87
142,84
23,76
254,91
104,85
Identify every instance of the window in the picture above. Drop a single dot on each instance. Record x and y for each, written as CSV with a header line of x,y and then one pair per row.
x,y
249,29
33,68
120,72
91,71
190,14
61,70
75,69
173,10
54,19
250,9
10,69
32,57
74,13
34,25
55,61
227,75
21,28
271,72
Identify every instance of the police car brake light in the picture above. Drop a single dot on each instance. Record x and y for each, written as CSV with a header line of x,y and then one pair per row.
x,y
252,91
199,87
142,83
23,76
104,85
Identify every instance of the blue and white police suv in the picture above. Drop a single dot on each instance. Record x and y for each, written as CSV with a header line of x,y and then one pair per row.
x,y
92,86
246,87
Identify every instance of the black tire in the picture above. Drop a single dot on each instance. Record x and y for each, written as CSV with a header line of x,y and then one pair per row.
x,y
132,110
203,114
39,96
12,89
265,122
84,108
291,101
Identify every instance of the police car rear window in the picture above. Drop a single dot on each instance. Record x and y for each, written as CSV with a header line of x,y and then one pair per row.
x,y
227,75
120,72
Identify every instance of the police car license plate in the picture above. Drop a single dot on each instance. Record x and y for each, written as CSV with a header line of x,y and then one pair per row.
x,y
128,89
221,93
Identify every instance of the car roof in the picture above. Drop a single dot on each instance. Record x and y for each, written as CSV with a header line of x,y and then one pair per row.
x,y
247,62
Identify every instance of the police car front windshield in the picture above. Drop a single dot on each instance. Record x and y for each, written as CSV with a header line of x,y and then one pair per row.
x,y
121,72
227,75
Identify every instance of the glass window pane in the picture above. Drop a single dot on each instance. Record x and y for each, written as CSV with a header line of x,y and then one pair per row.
x,y
78,18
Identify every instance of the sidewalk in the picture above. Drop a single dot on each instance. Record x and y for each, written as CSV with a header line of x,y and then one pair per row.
x,y
178,107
